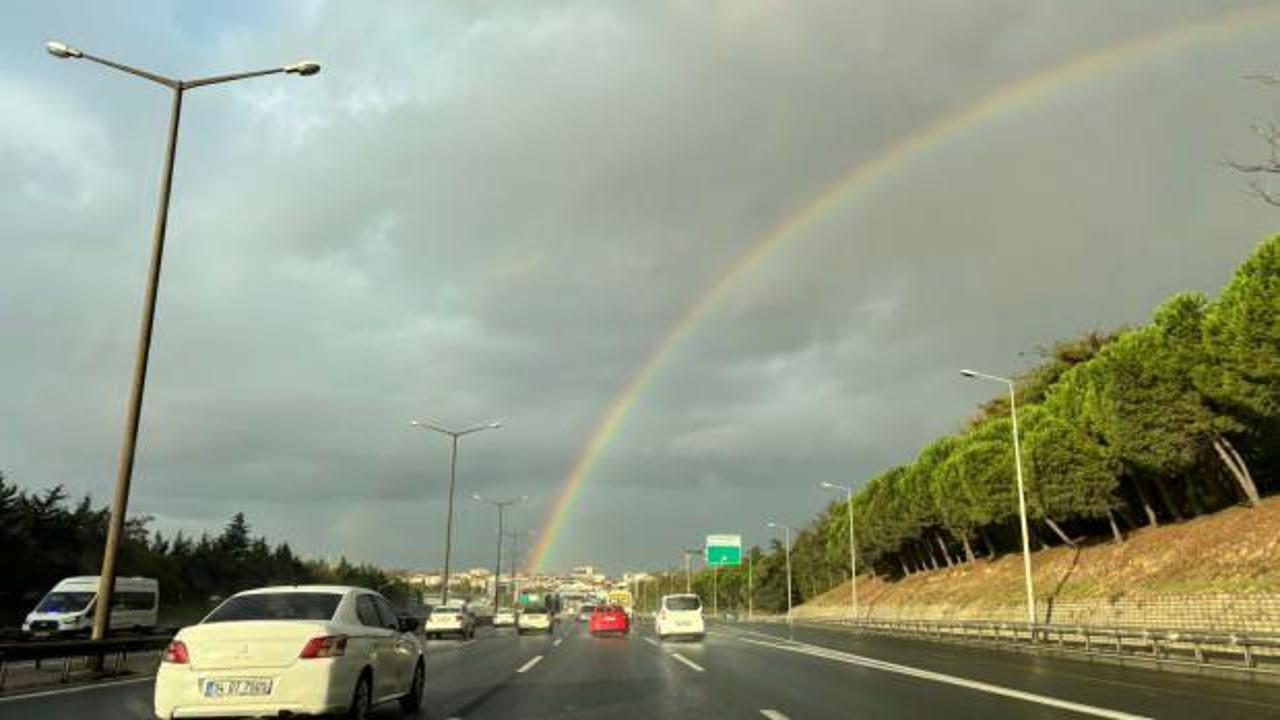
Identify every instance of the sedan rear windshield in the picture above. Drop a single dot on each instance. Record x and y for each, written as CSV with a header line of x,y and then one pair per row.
x,y
533,610
683,603
277,606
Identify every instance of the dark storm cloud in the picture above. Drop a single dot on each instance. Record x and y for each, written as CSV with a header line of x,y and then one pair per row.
x,y
481,211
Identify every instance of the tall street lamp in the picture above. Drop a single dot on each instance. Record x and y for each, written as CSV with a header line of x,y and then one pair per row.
x,y
1022,495
516,536
787,529
453,473
689,553
853,555
124,474
497,564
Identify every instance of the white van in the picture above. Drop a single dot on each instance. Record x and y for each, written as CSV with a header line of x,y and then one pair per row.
x,y
68,608
680,615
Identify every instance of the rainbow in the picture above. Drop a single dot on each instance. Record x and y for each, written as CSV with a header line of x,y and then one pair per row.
x,y
1006,99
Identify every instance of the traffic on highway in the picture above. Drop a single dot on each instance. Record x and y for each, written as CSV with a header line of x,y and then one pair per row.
x,y
618,359
339,664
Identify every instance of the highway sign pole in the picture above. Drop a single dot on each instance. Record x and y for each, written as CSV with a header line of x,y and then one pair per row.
x,y
715,590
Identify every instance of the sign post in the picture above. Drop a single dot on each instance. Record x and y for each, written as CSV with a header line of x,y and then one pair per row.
x,y
721,551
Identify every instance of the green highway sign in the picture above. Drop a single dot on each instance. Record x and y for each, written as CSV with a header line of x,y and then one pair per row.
x,y
723,550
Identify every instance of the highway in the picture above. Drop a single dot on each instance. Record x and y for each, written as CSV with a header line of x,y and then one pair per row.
x,y
752,671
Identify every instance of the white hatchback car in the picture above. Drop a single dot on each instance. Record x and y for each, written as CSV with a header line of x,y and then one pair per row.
x,y
680,615
305,649
533,618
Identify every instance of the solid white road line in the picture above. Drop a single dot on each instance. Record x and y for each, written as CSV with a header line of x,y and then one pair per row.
x,y
76,689
851,659
525,667
652,642
687,661
774,715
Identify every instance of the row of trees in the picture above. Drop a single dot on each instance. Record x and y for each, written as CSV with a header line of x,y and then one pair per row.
x,y
45,537
1119,430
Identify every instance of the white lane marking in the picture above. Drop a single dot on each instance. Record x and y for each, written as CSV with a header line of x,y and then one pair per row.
x,y
558,641
851,659
687,661
773,715
527,666
653,642
78,688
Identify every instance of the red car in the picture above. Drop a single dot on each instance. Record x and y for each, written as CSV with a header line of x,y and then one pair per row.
x,y
609,619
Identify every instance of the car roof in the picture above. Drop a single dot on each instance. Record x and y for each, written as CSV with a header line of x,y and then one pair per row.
x,y
333,589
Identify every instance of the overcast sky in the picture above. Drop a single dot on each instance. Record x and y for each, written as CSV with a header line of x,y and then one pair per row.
x,y
483,211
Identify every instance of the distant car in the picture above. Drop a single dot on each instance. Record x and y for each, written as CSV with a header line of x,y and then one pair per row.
x,y
533,618
451,619
609,619
298,650
505,617
584,615
68,608
680,615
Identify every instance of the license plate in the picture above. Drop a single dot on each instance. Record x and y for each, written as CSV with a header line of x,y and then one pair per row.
x,y
684,623
240,687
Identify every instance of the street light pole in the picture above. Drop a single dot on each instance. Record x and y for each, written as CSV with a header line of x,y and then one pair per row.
x,y
751,597
515,555
688,569
1022,495
787,531
142,353
453,473
853,555
497,564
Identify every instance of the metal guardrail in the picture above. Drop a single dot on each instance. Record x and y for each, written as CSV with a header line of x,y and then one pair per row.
x,y
68,651
1248,652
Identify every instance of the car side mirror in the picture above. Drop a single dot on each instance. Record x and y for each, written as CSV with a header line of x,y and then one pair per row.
x,y
408,624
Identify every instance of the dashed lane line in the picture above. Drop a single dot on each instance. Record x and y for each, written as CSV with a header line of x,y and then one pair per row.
x,y
851,659
529,665
773,714
557,642
693,665
653,642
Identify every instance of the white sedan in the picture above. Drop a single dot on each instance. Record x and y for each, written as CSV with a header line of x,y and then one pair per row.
x,y
306,649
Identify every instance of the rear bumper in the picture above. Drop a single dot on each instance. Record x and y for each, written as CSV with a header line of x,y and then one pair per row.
x,y
313,687
672,629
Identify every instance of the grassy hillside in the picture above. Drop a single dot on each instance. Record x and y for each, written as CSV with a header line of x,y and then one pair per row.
x,y
1236,551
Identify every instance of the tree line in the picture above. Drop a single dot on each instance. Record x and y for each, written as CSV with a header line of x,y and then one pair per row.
x,y
45,536
1119,430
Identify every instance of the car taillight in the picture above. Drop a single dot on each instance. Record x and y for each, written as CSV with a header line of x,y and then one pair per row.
x,y
176,653
325,646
